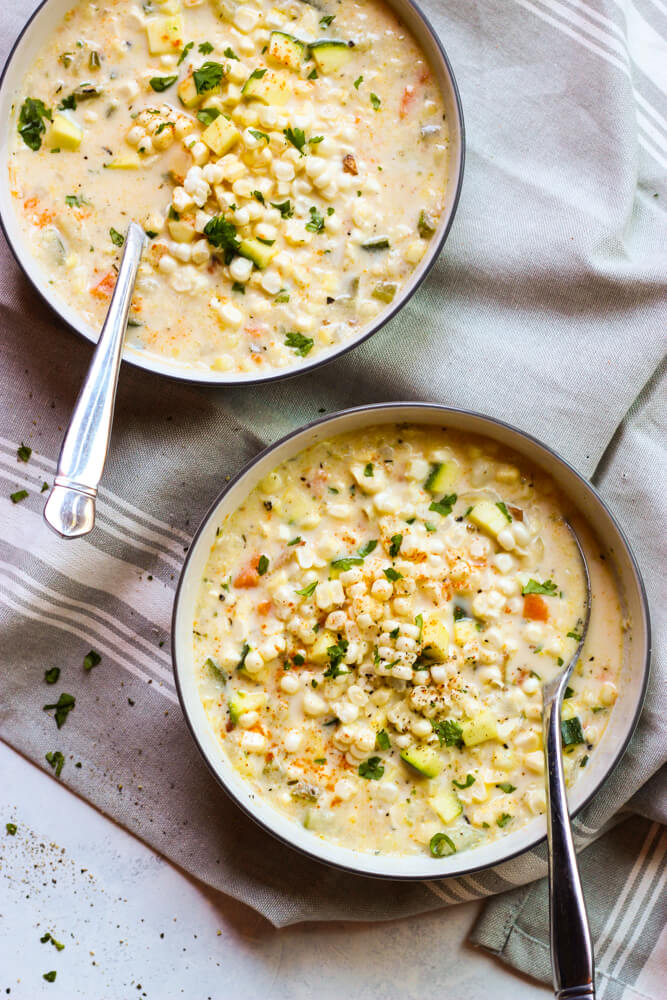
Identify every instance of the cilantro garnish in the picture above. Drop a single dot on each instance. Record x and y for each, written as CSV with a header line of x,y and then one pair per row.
x,y
535,587
56,760
444,506
63,707
11,829
326,20
259,135
51,676
284,207
503,820
392,574
382,741
368,470
369,547
296,136
208,76
449,733
372,769
184,53
376,102
161,83
358,82
231,54
18,496
245,649
116,238
316,224
205,48
91,659
302,345
502,507
31,125
207,115
506,787
308,590
221,234
396,542
262,565
23,452
470,780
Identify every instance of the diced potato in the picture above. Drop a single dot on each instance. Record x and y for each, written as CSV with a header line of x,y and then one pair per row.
x,y
480,729
165,34
487,516
181,230
220,135
446,804
65,133
187,92
436,640
465,631
128,161
318,652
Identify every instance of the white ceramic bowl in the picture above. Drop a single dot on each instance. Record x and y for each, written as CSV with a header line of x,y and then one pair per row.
x,y
35,35
585,503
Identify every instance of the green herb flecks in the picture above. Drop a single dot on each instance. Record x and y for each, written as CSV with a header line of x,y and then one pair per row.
x,y
51,675
91,659
535,587
395,547
63,707
18,496
503,820
161,83
56,760
221,234
31,125
502,507
382,741
392,574
316,224
183,55
372,769
262,565
208,77
116,238
284,207
506,787
376,102
23,452
207,115
470,780
299,343
449,733
369,547
444,506
308,591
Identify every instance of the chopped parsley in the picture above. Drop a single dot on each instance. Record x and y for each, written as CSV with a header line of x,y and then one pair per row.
x,y
369,547
245,649
336,654
459,613
49,937
506,787
295,541
368,470
50,976
205,48
259,135
91,659
382,741
51,675
23,452
376,102
209,76
258,196
18,496
262,565
63,707
372,769
31,125
296,136
11,829
569,692
184,53
116,238
221,234
308,590
535,587
441,846
396,542
470,780
161,83
316,224
231,54
392,574
503,820
502,507
574,635
302,345
313,74
358,82
284,207
444,506
74,200
347,562
315,140
449,733
56,760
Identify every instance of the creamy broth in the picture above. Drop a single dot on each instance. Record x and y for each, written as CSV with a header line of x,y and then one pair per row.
x,y
373,629
288,162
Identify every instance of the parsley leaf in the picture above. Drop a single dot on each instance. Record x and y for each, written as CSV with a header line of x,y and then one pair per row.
x,y
50,976
503,820
208,76
184,53
392,574
31,125
231,54
313,75
444,506
74,200
574,635
358,82
258,196
382,741
116,238
296,136
376,102
369,547
309,590
284,207
372,769
205,48
221,234
316,224
449,733
396,542
91,659
506,787
259,135
161,83
63,707
347,562
535,587
56,760
51,675
23,452
302,345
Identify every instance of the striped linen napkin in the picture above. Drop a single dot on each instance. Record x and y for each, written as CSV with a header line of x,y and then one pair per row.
x,y
547,309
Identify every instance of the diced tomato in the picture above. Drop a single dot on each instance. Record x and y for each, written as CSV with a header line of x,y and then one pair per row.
x,y
535,608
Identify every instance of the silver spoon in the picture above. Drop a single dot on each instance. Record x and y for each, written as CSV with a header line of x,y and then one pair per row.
x,y
70,506
572,959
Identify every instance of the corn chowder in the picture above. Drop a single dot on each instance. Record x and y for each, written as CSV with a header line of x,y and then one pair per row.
x,y
262,145
373,629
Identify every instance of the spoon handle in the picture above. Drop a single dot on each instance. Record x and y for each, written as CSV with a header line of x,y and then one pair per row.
x,y
70,506
571,948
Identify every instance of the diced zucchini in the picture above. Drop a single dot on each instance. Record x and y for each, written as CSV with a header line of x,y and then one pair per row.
x,y
426,760
427,225
269,88
260,254
489,517
442,477
465,631
221,135
317,819
187,92
245,701
318,652
330,54
385,291
64,133
480,729
436,640
165,34
287,50
446,804
571,731
181,230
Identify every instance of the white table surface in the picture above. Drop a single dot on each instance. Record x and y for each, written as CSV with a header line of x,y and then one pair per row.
x,y
133,925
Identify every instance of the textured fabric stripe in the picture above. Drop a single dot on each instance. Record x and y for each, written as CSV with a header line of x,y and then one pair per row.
x,y
652,919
